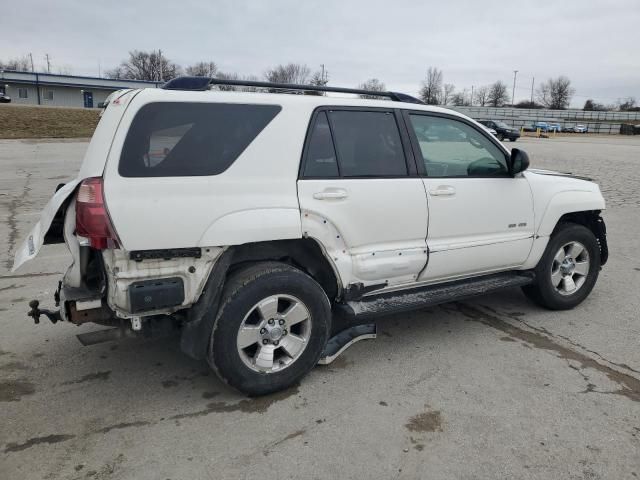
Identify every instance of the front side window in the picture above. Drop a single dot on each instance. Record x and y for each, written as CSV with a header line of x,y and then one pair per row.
x,y
451,148
190,139
368,144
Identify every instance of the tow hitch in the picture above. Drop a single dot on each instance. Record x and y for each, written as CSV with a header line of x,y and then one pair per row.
x,y
53,315
35,312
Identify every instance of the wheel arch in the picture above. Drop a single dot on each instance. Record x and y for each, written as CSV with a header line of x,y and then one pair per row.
x,y
594,222
305,254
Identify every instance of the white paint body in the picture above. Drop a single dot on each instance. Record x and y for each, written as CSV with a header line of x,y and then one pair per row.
x,y
399,232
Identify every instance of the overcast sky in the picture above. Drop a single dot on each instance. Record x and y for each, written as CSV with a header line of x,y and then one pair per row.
x,y
594,43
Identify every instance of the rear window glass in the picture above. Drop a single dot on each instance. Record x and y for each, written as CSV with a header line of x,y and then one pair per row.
x,y
190,139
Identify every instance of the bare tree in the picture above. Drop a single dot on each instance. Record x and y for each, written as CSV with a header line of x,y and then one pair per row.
x,y
319,78
202,69
431,90
373,85
591,105
555,93
21,64
447,93
297,73
497,95
482,95
153,66
457,99
627,104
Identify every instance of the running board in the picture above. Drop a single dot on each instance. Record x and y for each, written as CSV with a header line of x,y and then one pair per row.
x,y
407,300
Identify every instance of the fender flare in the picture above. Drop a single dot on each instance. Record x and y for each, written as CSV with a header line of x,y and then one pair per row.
x,y
566,202
200,318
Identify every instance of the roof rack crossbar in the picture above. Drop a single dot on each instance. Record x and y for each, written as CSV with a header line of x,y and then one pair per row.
x,y
203,83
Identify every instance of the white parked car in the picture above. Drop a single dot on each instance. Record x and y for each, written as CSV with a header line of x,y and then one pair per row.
x,y
250,220
580,128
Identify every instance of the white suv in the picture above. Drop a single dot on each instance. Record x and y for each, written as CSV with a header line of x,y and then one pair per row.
x,y
268,227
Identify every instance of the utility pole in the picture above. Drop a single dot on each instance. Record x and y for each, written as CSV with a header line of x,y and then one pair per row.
x,y
513,92
46,55
471,103
31,57
532,82
160,62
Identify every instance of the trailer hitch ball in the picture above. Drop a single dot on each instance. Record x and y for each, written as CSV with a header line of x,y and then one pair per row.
x,y
35,312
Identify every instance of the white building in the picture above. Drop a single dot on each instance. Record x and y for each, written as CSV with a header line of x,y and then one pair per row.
x,y
29,88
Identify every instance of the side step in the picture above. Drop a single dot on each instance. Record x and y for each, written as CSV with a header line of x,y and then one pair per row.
x,y
407,300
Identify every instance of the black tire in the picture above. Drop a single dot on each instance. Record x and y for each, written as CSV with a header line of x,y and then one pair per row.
x,y
542,290
512,139
242,291
501,137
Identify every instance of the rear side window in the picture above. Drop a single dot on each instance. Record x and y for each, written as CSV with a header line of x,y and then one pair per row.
x,y
190,139
368,144
321,155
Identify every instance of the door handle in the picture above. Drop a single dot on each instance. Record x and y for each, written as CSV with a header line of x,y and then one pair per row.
x,y
331,194
443,191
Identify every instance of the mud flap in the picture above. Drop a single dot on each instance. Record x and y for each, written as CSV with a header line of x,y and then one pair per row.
x,y
343,340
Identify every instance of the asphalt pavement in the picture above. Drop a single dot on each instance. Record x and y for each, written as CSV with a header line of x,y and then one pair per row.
x,y
492,388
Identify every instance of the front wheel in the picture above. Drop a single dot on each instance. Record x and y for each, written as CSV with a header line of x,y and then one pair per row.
x,y
271,328
568,270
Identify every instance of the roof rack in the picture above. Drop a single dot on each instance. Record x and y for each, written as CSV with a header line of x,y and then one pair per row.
x,y
203,83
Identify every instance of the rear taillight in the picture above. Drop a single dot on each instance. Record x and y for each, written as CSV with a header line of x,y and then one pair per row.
x,y
92,218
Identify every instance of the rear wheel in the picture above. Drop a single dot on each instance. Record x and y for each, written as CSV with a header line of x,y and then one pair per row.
x,y
568,270
271,328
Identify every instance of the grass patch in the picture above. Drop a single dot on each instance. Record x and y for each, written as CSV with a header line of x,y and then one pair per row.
x,y
18,121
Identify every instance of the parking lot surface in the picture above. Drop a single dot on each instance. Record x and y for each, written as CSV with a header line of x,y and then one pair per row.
x,y
492,388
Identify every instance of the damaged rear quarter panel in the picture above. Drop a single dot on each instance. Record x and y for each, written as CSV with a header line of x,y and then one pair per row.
x,y
122,272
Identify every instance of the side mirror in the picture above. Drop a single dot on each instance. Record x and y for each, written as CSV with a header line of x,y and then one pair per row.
x,y
519,161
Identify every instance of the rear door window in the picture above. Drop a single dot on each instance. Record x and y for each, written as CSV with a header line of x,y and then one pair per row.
x,y
170,139
368,144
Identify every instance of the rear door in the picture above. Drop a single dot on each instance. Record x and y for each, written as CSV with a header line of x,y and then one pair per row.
x,y
360,195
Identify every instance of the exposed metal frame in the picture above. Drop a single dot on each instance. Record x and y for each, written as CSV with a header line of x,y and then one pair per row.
x,y
203,83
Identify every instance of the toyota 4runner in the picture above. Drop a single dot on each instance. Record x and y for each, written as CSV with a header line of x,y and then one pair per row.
x,y
269,228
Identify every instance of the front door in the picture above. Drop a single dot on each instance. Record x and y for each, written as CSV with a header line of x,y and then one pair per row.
x,y
88,99
480,216
361,198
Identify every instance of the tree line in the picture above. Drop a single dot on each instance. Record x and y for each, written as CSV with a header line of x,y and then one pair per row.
x,y
555,93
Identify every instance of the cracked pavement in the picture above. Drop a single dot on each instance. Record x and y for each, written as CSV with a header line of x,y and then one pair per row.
x,y
490,388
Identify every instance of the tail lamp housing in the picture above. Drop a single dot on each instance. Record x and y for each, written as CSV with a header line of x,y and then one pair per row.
x,y
92,217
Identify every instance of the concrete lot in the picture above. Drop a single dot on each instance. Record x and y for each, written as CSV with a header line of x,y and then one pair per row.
x,y
493,388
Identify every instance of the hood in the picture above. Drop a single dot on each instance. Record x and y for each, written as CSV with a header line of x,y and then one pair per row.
x,y
540,171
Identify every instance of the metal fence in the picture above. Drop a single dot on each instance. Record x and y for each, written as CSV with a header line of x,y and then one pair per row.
x,y
596,122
